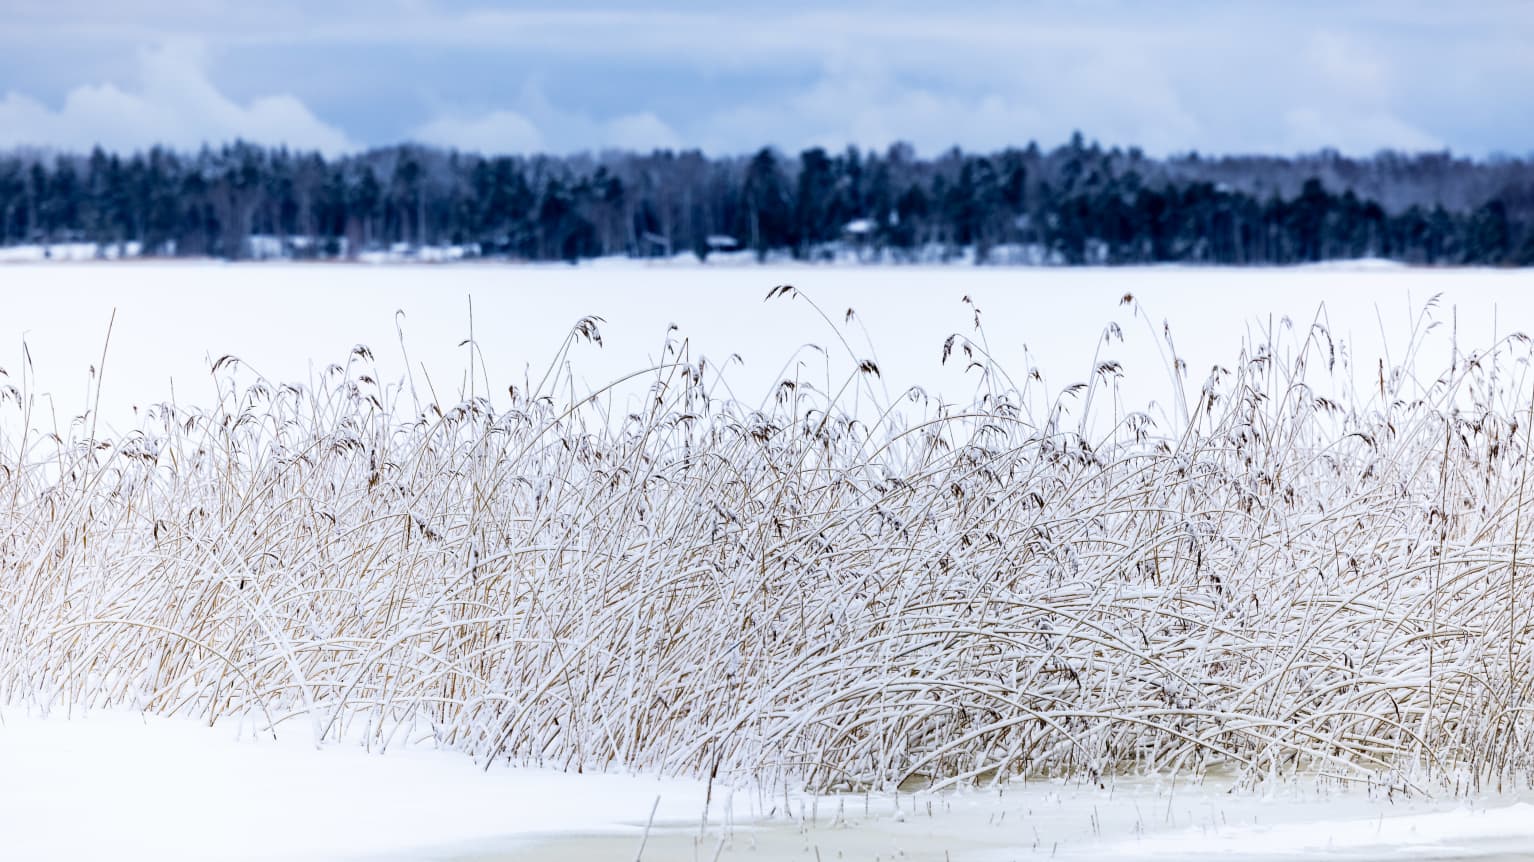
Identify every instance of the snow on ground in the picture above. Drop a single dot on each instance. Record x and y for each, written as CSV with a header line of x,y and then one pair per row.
x,y
288,321
123,786
68,251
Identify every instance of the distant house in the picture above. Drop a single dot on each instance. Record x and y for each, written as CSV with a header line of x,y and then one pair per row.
x,y
722,242
858,235
858,228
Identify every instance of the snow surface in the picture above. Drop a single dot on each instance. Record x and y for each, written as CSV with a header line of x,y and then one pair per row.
x,y
68,251
288,321
122,786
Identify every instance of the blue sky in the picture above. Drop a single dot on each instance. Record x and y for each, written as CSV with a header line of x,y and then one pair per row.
x,y
578,75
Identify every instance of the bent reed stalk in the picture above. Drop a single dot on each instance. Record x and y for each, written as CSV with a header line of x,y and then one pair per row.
x,y
802,594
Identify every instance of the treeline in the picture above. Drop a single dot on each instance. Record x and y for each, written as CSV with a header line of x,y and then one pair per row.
x,y
1077,203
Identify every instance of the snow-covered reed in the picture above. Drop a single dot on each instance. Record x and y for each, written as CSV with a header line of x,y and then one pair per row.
x,y
1261,579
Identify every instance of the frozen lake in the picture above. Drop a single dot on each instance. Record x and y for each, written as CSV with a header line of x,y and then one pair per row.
x,y
288,321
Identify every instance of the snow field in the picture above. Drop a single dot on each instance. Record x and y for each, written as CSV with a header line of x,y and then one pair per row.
x,y
124,786
110,785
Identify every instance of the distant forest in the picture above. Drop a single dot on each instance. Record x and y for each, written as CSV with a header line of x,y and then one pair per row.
x,y
1078,203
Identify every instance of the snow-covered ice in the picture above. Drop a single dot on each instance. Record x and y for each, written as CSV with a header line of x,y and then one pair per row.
x,y
114,785
287,321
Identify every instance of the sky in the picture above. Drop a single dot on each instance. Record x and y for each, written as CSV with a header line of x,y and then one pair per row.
x,y
1169,76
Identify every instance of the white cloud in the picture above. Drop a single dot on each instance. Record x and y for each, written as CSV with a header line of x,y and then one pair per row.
x,y
867,103
175,104
1347,99
1250,78
536,125
490,133
1263,77
641,132
1310,129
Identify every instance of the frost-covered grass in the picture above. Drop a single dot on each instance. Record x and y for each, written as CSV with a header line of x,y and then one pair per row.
x,y
829,587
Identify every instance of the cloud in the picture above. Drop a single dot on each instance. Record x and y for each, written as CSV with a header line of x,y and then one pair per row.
x,y
491,133
1253,77
870,104
536,125
1348,99
640,132
1258,77
175,104
1310,129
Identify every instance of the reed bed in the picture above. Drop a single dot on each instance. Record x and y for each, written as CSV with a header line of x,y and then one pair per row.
x,y
802,592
